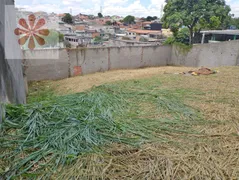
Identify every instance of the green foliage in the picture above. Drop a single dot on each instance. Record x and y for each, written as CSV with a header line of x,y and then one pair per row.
x,y
52,133
67,18
150,18
234,22
182,36
143,39
170,40
97,39
100,15
54,38
183,48
108,23
194,13
61,37
91,16
59,130
129,19
213,23
39,92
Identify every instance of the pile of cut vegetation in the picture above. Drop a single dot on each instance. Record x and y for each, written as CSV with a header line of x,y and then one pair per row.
x,y
38,138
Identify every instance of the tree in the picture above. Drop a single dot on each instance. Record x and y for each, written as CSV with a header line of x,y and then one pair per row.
x,y
100,15
67,18
195,15
97,39
54,38
108,23
155,17
181,37
143,39
150,18
234,22
129,19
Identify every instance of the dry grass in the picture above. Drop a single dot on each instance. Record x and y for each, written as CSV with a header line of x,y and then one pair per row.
x,y
82,83
213,154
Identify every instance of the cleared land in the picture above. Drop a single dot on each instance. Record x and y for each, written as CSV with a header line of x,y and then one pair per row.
x,y
164,125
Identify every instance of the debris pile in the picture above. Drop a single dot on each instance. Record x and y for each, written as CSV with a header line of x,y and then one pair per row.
x,y
201,71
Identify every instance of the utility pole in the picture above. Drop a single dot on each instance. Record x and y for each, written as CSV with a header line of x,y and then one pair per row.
x,y
161,12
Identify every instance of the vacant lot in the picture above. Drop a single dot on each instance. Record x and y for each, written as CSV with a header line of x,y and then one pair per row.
x,y
138,124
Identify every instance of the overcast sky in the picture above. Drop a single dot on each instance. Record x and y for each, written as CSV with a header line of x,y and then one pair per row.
x,y
139,8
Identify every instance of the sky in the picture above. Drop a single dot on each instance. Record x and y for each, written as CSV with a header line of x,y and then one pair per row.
x,y
138,8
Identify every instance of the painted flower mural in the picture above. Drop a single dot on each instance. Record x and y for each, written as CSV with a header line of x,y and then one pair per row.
x,y
31,32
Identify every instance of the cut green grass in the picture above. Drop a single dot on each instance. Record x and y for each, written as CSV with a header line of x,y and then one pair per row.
x,y
42,136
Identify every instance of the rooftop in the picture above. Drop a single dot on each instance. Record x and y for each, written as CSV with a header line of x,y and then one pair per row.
x,y
228,32
140,31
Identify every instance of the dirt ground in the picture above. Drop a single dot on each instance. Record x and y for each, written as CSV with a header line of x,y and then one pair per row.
x,y
82,83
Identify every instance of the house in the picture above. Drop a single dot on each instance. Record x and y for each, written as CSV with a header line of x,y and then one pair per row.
x,y
81,27
63,29
102,21
155,26
60,16
138,33
92,33
76,41
83,17
214,36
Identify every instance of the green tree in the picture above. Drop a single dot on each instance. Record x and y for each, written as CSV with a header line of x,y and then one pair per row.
x,y
61,37
195,15
143,39
150,18
213,23
67,18
100,15
234,22
54,38
97,39
181,37
108,23
129,19
155,17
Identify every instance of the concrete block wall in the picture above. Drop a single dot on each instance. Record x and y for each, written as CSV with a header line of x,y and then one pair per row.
x,y
90,60
41,64
53,64
93,60
209,55
46,64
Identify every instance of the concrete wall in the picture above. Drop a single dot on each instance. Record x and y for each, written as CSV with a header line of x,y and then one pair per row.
x,y
43,64
209,55
117,43
46,64
12,88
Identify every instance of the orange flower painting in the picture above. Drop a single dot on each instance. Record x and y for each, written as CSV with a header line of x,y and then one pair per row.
x,y
31,31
